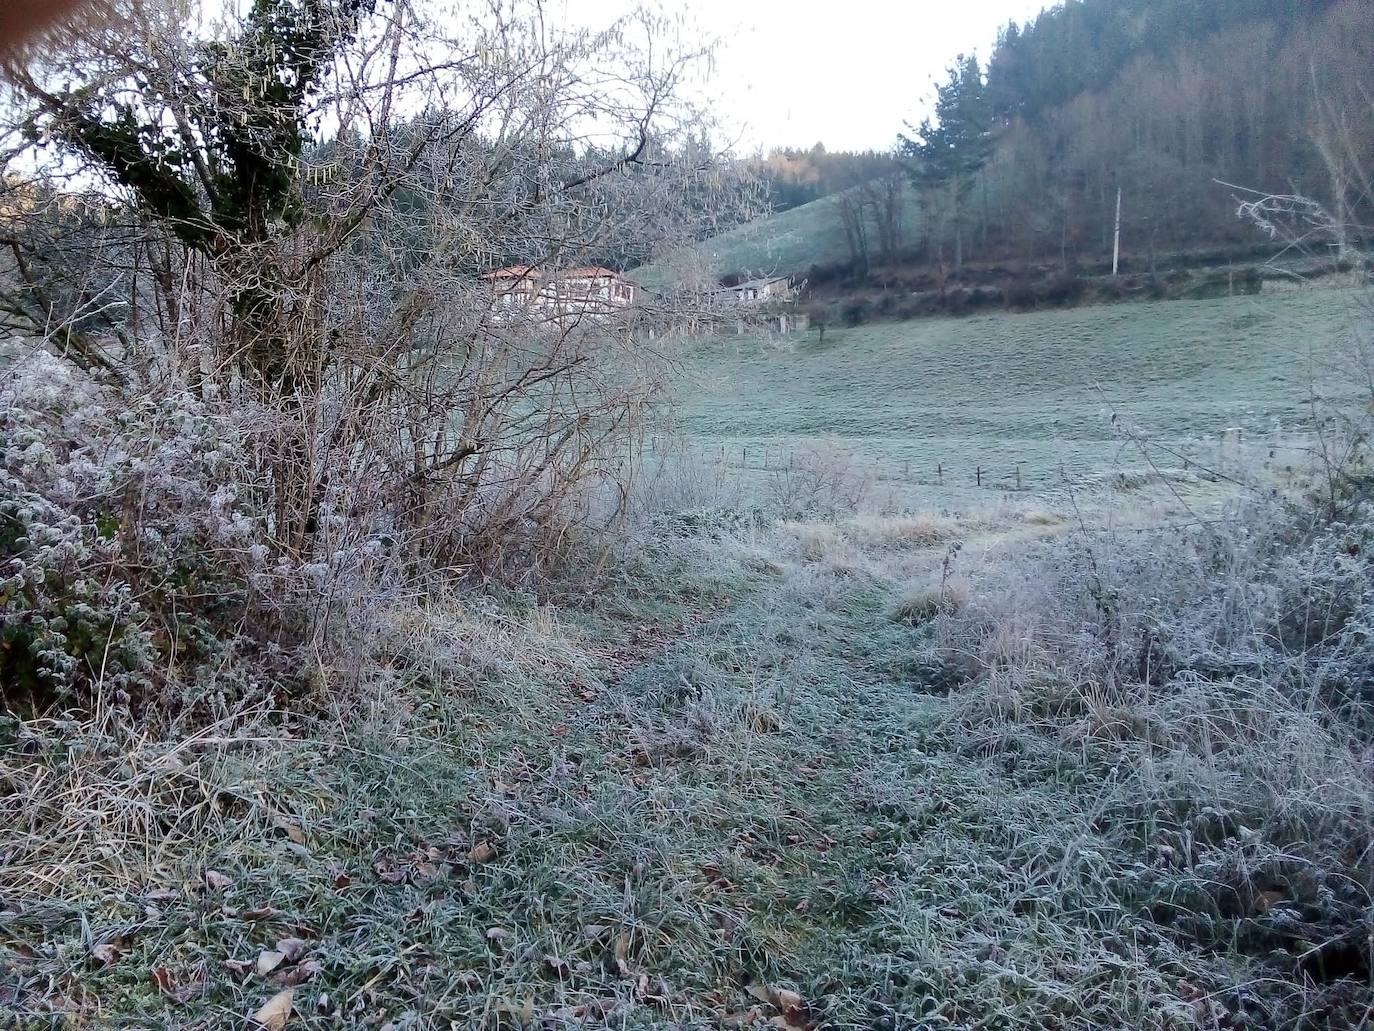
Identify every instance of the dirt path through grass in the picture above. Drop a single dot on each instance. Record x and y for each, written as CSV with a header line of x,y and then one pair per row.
x,y
744,797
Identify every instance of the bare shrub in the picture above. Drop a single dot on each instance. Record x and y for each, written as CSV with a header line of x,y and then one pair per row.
x,y
681,478
822,481
279,279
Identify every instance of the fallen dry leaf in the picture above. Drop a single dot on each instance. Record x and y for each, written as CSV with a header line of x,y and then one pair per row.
x,y
268,961
167,984
583,1011
622,951
298,974
522,1011
216,881
389,873
107,954
745,1019
293,830
482,852
792,1014
239,967
426,873
654,990
292,949
276,1011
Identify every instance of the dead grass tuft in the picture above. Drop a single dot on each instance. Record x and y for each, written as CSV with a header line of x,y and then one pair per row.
x,y
900,531
920,602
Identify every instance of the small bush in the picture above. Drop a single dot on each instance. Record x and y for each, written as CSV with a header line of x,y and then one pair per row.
x,y
822,481
135,551
855,313
1063,289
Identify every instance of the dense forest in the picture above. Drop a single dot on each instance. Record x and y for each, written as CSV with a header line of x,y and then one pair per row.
x,y
1163,100
1181,105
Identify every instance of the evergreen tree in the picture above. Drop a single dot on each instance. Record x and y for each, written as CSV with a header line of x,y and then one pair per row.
x,y
947,152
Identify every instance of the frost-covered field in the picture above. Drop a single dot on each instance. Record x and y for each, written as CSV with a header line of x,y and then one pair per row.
x,y
1037,390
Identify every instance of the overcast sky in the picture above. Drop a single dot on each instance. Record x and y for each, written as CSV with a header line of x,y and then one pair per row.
x,y
842,72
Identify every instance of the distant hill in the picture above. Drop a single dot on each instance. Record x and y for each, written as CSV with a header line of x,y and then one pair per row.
x,y
1159,101
784,242
787,242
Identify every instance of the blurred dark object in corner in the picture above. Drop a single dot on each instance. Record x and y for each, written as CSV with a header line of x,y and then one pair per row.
x,y
22,20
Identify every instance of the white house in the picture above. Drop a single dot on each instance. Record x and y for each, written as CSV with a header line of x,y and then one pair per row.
x,y
557,294
760,291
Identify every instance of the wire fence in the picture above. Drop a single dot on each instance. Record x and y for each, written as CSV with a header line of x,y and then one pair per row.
x,y
1226,452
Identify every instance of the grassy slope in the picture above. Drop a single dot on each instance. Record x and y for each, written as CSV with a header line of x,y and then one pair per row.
x,y
733,772
1037,389
787,242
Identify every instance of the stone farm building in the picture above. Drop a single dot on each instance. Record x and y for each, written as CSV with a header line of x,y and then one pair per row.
x,y
559,295
760,291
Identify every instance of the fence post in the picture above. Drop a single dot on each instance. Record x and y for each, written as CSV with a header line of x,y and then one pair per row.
x,y
978,474
906,470
1018,475
940,472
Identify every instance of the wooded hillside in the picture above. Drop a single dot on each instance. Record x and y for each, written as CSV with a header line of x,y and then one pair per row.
x,y
1162,98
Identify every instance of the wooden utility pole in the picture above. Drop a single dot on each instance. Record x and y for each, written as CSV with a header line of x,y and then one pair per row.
x,y
1116,238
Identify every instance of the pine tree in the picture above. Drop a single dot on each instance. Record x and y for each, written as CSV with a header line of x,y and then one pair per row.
x,y
947,152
